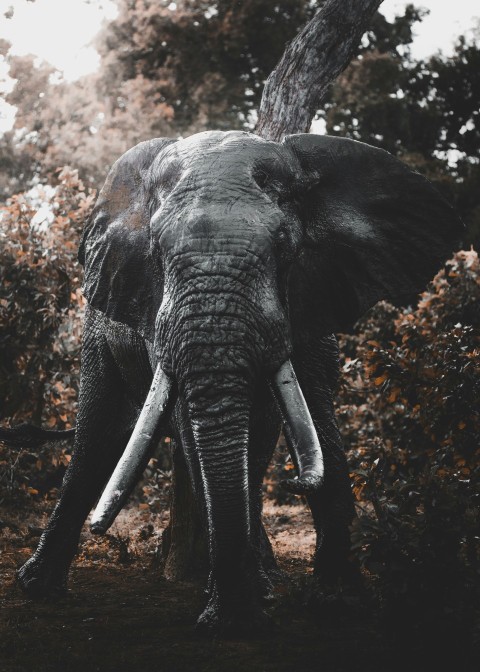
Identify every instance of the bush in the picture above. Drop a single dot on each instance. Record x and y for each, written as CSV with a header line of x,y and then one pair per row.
x,y
409,409
40,320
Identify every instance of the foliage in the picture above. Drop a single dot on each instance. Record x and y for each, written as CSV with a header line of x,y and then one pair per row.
x,y
427,112
409,411
163,73
40,313
207,61
167,72
59,123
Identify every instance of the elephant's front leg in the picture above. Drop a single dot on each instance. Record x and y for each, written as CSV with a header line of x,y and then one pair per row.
x,y
317,368
101,435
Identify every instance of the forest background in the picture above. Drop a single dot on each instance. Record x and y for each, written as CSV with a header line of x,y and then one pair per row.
x,y
408,400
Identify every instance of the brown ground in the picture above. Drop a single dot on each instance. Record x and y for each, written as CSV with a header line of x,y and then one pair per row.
x,y
122,615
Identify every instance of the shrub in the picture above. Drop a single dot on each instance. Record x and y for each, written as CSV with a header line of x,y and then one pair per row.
x,y
40,319
409,409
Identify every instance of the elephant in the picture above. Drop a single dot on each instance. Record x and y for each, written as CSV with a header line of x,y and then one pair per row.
x,y
217,270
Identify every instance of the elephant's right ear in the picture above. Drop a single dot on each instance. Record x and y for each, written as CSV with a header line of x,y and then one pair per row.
x,y
372,229
115,245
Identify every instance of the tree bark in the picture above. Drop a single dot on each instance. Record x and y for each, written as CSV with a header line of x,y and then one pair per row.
x,y
184,542
310,63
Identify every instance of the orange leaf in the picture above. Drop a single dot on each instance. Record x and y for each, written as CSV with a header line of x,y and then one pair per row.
x,y
393,395
143,506
380,379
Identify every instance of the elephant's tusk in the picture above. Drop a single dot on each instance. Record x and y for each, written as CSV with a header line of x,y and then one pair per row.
x,y
132,462
300,433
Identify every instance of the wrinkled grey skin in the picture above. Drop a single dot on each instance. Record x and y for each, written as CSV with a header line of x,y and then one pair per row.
x,y
221,256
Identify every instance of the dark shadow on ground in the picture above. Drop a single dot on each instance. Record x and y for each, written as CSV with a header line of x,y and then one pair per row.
x,y
122,615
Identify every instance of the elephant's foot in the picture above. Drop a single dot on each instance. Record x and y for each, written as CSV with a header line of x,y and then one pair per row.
x,y
39,578
333,568
331,601
233,620
336,589
333,562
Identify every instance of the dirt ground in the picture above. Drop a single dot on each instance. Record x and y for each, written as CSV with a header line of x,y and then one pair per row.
x,y
121,614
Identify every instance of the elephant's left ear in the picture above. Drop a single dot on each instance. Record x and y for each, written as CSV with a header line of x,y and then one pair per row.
x,y
372,229
115,246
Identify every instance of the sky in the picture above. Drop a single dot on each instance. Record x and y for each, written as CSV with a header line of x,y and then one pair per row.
x,y
438,31
61,31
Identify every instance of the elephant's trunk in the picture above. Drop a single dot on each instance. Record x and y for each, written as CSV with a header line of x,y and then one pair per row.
x,y
218,344
219,416
302,438
132,462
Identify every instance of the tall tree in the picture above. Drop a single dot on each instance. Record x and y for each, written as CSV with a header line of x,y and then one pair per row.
x,y
163,72
321,51
208,60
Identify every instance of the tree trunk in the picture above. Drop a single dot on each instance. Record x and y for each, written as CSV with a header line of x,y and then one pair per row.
x,y
184,542
310,63
292,95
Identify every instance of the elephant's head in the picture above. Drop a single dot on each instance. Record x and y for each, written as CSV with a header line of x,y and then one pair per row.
x,y
225,251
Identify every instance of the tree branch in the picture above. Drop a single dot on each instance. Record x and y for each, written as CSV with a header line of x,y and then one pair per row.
x,y
310,63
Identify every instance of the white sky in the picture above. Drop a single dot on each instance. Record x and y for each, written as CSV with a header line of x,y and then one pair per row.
x,y
438,31
60,31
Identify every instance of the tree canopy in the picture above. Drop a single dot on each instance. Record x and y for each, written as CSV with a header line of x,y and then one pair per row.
x,y
162,72
203,66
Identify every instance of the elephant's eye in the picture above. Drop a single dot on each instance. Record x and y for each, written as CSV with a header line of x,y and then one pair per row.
x,y
261,178
100,222
168,177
